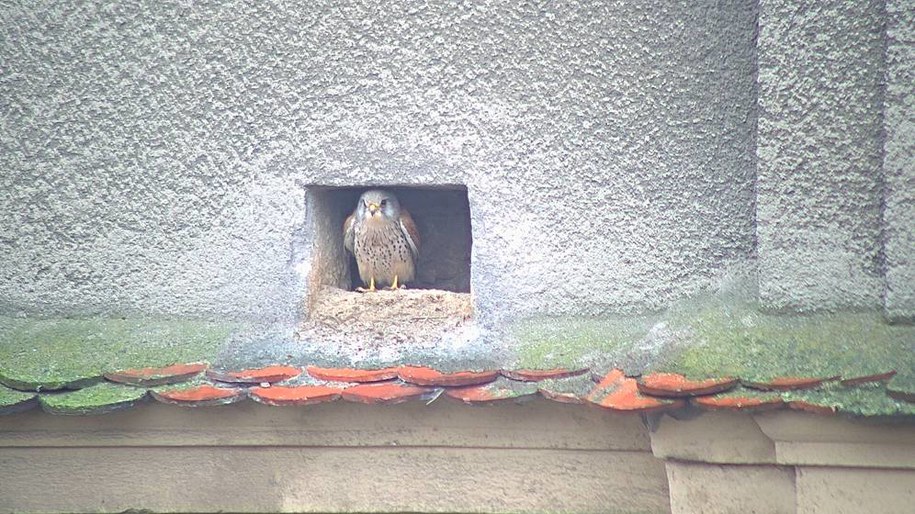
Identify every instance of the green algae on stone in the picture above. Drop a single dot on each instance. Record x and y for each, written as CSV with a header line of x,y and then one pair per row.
x,y
566,390
97,399
499,390
902,386
863,400
15,401
49,354
575,342
741,341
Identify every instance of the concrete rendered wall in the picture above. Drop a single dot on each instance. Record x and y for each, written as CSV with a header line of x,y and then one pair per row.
x,y
899,160
154,153
819,175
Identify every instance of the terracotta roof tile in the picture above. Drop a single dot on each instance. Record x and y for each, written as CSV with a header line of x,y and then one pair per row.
x,y
904,396
566,390
12,401
352,374
788,383
902,386
26,384
877,377
675,385
74,384
386,393
740,399
73,353
501,389
620,393
294,395
867,399
816,408
199,395
536,375
269,374
424,376
149,377
98,399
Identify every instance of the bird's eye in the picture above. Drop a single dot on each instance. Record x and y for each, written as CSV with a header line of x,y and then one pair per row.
x,y
384,202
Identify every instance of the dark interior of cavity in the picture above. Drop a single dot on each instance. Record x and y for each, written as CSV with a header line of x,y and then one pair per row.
x,y
442,216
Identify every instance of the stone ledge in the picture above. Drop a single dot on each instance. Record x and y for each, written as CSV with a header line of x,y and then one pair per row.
x,y
711,488
719,437
826,490
803,439
265,479
785,438
446,422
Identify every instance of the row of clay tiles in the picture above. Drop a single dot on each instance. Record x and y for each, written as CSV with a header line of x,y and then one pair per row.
x,y
196,385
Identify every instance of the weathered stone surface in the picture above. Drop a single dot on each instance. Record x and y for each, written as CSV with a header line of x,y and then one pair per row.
x,y
825,490
805,439
308,479
819,147
899,161
717,489
721,437
443,423
166,174
42,354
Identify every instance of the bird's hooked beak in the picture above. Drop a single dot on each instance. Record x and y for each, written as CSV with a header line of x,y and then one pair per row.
x,y
373,208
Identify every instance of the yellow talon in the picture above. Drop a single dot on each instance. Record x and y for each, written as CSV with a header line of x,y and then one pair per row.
x,y
394,284
371,288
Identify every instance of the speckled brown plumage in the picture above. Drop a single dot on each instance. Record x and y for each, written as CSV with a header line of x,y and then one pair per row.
x,y
383,238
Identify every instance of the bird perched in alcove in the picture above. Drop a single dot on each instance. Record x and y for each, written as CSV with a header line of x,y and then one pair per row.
x,y
383,237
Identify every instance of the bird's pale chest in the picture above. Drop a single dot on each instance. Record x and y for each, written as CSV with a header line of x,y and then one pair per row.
x,y
382,251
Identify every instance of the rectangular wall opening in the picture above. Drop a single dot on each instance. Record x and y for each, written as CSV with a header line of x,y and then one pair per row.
x,y
436,298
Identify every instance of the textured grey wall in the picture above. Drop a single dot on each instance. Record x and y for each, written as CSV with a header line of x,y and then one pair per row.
x,y
820,187
154,153
153,150
899,160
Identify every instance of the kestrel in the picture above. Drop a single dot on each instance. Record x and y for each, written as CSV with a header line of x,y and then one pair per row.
x,y
382,236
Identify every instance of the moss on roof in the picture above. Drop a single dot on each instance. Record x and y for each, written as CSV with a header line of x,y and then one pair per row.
x,y
10,397
701,338
57,353
574,342
100,398
863,400
904,382
743,342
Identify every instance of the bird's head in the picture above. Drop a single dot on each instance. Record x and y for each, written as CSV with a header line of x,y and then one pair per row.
x,y
377,204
